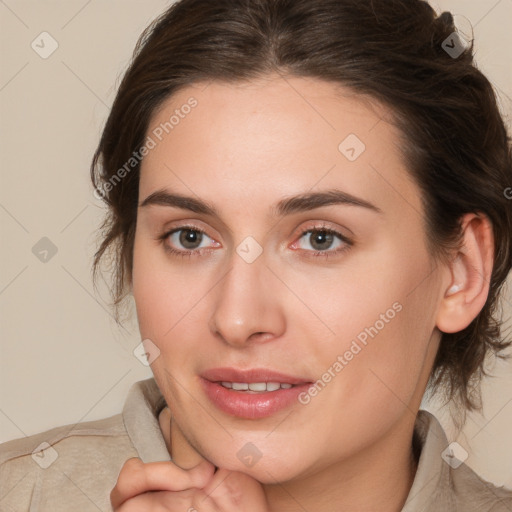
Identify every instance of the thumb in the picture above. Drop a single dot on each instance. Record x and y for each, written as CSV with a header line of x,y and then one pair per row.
x,y
201,474
230,489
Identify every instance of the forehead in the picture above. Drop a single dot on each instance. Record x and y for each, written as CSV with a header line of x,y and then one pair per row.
x,y
251,143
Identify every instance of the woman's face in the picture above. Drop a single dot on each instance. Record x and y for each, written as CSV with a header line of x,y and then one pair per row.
x,y
300,249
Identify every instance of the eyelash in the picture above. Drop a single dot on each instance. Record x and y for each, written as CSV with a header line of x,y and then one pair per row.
x,y
312,254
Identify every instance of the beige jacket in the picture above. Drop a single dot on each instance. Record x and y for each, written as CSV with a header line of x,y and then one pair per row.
x,y
74,468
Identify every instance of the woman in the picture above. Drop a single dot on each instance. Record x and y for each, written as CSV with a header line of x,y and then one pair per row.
x,y
308,201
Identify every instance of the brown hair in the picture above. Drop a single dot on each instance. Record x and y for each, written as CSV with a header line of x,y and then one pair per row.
x,y
455,142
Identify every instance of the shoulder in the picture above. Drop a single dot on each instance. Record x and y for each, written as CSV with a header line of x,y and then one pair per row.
x,y
473,493
444,482
79,461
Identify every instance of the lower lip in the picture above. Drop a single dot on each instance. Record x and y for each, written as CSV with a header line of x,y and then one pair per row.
x,y
251,405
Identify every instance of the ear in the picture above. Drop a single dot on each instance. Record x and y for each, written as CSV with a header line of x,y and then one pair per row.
x,y
469,275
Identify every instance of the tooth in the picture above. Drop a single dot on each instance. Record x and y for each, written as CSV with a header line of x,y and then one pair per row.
x,y
257,386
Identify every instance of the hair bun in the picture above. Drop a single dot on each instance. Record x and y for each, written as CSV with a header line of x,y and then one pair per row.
x,y
446,18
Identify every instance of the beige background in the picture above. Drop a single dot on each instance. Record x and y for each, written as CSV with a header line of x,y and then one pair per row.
x,y
63,359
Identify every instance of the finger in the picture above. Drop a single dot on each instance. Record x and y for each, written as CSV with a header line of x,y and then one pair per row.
x,y
136,478
148,502
169,501
232,490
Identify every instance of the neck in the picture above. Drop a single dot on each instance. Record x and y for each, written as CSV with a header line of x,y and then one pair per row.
x,y
378,478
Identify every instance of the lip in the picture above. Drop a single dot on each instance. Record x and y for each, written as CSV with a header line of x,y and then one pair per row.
x,y
251,405
251,375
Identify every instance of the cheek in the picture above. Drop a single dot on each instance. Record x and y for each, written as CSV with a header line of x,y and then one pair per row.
x,y
149,294
163,305
382,366
389,378
165,295
382,312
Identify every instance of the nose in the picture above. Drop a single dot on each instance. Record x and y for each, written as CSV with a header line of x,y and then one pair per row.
x,y
247,304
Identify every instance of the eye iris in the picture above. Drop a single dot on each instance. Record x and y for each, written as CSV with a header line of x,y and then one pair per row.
x,y
321,238
189,236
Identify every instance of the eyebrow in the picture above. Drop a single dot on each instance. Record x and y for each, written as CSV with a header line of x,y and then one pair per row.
x,y
287,206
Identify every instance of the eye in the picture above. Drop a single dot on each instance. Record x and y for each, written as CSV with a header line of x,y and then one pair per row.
x,y
186,240
323,242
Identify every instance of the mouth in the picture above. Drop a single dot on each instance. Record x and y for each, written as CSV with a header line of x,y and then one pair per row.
x,y
252,394
256,387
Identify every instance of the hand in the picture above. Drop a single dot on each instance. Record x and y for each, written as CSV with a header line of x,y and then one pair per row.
x,y
165,486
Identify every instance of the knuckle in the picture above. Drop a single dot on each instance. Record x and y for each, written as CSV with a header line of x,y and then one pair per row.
x,y
202,502
132,470
132,462
131,467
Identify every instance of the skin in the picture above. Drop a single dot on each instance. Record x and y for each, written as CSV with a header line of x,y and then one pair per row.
x,y
242,149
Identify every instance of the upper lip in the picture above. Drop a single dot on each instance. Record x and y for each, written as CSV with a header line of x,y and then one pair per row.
x,y
250,376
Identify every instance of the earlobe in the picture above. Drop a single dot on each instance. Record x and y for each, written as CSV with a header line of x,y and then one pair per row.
x,y
470,274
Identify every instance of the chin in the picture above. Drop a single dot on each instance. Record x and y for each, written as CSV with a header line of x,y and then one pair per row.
x,y
266,470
